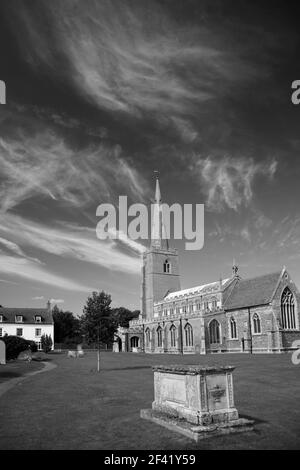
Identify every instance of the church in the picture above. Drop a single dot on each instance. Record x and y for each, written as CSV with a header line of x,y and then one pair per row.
x,y
257,315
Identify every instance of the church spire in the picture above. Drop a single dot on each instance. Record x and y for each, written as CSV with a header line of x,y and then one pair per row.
x,y
157,190
158,233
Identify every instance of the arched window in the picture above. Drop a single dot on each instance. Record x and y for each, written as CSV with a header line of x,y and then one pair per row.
x,y
288,318
147,337
173,336
188,335
159,337
214,332
256,324
167,267
134,342
233,333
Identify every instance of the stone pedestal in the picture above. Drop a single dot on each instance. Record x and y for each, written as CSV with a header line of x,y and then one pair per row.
x,y
195,400
2,352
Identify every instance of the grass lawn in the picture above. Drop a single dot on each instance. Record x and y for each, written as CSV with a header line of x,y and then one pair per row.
x,y
74,407
17,369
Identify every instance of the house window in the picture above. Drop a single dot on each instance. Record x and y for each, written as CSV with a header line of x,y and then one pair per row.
x,y
198,306
38,319
19,318
167,267
233,332
159,337
173,336
288,318
39,345
0,331
205,305
171,311
214,304
184,309
191,308
38,332
188,335
177,310
147,334
214,332
256,324
19,331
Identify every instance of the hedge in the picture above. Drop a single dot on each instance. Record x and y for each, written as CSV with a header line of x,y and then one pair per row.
x,y
15,345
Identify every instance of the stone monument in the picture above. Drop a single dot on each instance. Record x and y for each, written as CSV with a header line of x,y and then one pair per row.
x,y
2,352
196,401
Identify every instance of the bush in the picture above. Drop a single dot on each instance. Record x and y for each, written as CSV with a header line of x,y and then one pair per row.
x,y
39,356
15,345
46,342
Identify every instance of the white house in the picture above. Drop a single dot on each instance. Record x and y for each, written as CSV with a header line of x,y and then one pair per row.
x,y
28,323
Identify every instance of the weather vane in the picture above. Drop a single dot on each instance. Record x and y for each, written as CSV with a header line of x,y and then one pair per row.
x,y
235,268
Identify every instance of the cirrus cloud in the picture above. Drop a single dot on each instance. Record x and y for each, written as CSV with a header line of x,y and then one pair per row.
x,y
228,181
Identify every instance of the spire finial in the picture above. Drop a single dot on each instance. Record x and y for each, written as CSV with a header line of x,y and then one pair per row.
x,y
157,188
235,267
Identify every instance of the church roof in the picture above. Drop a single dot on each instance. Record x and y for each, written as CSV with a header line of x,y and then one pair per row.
x,y
250,292
203,289
27,313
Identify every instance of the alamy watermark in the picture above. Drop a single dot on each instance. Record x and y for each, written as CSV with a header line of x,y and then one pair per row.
x,y
296,93
296,353
2,92
136,223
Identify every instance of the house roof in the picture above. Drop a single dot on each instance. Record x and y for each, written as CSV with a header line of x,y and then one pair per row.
x,y
203,289
27,313
250,292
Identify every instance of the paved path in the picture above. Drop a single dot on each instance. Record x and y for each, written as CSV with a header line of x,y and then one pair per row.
x,y
8,384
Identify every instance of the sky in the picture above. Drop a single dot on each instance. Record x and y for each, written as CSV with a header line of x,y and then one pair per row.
x,y
100,94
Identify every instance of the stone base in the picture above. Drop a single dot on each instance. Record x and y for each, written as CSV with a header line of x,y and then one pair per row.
x,y
197,433
198,418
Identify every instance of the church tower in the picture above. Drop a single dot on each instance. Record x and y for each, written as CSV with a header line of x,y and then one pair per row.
x,y
160,273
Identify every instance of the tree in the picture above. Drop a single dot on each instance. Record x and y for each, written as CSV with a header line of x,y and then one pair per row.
x,y
123,316
66,325
46,342
98,322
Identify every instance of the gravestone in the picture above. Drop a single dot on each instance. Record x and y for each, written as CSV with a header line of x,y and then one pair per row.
x,y
80,352
2,352
72,354
25,356
196,401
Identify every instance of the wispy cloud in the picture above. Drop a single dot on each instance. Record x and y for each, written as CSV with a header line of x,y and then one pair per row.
x,y
71,241
43,164
228,182
57,301
38,297
12,246
8,282
122,62
27,269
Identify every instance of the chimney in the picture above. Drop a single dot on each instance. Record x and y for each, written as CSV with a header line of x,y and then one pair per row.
x,y
49,306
